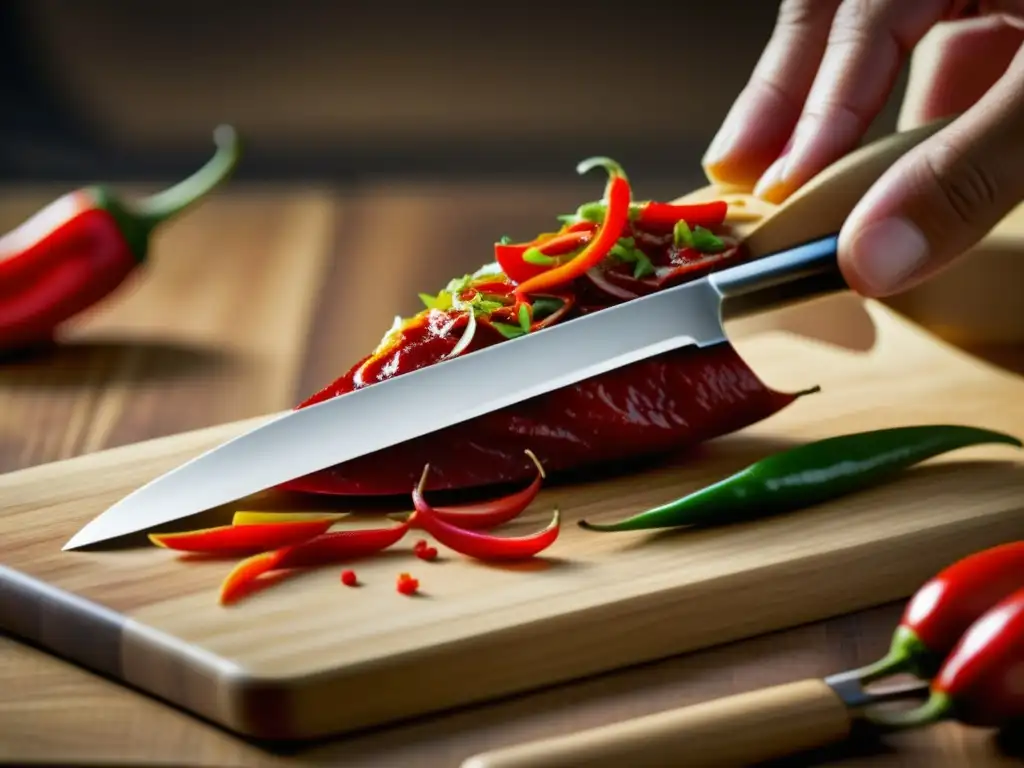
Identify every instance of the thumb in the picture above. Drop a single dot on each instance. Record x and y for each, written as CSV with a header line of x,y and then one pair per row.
x,y
941,198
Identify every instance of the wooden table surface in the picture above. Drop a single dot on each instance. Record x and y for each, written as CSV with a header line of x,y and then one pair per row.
x,y
249,303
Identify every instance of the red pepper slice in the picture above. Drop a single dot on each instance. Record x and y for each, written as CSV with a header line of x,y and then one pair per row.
x,y
980,681
477,545
618,195
939,613
494,512
242,539
512,257
662,217
326,549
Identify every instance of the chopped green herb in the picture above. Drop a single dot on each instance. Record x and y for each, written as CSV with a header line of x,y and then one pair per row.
x,y
441,302
705,241
534,256
505,240
594,211
625,250
509,331
459,284
524,318
702,239
542,307
482,306
682,237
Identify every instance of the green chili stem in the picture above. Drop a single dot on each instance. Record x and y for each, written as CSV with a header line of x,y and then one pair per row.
x,y
939,706
809,474
138,219
172,201
610,166
906,654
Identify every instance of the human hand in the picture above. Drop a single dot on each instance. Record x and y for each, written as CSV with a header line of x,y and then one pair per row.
x,y
827,72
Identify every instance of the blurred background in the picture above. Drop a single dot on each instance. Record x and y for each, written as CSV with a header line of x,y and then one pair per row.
x,y
339,90
501,98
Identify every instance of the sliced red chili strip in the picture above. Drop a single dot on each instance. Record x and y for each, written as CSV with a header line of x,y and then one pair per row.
x,y
493,512
663,216
242,539
512,257
618,194
326,549
478,545
580,226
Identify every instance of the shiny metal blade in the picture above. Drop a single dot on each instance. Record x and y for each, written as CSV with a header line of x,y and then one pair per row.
x,y
418,403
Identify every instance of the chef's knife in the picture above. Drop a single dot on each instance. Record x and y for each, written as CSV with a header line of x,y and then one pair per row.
x,y
446,393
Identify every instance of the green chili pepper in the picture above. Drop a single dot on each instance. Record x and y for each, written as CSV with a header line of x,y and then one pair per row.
x,y
809,474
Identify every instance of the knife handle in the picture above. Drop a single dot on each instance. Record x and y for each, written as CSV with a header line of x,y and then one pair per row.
x,y
795,274
737,730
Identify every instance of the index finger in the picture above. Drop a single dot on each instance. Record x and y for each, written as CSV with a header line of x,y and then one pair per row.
x,y
761,120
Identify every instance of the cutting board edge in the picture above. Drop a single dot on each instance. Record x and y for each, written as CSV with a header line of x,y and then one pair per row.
x,y
343,701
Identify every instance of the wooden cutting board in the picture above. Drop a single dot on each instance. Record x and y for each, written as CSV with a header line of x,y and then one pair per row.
x,y
308,656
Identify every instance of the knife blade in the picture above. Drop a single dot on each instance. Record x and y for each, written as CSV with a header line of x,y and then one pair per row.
x,y
437,396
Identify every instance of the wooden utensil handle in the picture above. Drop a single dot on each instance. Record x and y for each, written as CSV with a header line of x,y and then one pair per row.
x,y
820,207
734,731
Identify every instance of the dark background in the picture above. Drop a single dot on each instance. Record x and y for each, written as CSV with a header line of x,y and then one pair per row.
x,y
334,90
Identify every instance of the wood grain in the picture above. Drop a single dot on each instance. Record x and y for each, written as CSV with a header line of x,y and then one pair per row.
x,y
51,711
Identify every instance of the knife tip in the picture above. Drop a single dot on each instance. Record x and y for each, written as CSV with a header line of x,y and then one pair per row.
x,y
79,540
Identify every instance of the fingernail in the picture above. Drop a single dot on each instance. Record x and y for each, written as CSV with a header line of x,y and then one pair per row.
x,y
781,178
888,252
770,186
722,144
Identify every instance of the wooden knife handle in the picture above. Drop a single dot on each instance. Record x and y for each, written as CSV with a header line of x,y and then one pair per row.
x,y
820,207
733,731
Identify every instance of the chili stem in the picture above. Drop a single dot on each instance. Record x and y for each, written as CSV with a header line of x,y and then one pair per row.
x,y
906,648
170,202
940,706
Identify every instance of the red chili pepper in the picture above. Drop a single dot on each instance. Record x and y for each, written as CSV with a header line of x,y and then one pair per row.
x,y
662,217
348,578
326,549
981,682
618,195
242,539
477,545
939,613
81,247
